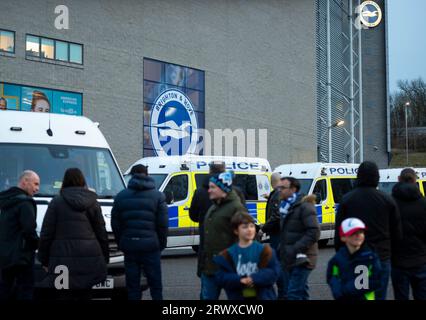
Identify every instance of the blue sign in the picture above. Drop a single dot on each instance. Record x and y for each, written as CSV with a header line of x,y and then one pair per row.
x,y
173,124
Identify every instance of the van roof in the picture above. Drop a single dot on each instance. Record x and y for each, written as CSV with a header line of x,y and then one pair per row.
x,y
317,169
391,175
171,164
31,127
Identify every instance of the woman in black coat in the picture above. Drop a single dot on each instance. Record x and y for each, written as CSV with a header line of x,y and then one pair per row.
x,y
73,236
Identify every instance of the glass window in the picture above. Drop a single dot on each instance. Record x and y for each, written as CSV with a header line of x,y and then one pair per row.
x,y
200,178
175,75
50,163
152,70
424,187
47,48
305,185
7,41
197,99
340,187
320,190
178,187
76,53
61,50
248,186
386,186
33,46
195,79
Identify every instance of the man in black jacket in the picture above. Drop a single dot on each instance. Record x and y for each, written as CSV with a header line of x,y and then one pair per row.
x,y
18,237
380,214
409,256
139,220
300,233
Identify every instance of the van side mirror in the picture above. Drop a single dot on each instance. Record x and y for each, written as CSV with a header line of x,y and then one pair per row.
x,y
169,197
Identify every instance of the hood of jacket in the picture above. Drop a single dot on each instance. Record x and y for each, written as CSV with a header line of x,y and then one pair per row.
x,y
12,196
141,182
406,191
79,198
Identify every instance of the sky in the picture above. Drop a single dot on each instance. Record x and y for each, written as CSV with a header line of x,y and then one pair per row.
x,y
406,40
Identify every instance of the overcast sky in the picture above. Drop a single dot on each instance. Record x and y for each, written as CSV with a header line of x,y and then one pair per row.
x,y
407,40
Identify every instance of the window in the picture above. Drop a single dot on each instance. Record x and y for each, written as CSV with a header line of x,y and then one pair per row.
x,y
340,187
61,51
248,186
54,49
424,186
178,187
305,185
320,190
76,53
47,48
33,46
7,41
386,186
200,179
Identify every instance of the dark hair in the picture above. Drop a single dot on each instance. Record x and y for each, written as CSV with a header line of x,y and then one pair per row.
x,y
368,174
139,169
239,218
217,167
408,175
73,177
294,183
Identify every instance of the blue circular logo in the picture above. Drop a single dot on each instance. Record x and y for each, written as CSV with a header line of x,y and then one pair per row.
x,y
173,124
370,14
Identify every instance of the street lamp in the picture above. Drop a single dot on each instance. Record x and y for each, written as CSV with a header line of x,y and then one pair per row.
x,y
338,123
407,104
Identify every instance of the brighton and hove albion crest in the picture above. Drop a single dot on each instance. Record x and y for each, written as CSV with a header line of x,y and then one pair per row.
x,y
173,124
370,14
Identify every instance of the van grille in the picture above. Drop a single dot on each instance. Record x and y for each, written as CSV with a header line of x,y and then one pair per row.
x,y
113,247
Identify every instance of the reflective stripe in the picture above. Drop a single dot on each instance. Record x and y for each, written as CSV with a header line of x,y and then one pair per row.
x,y
335,272
370,295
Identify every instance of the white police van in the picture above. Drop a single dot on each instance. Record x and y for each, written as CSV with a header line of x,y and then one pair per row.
x,y
389,178
49,144
179,176
329,182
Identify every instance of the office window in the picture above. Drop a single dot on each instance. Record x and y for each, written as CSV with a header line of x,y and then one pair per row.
x,y
61,51
7,41
54,49
47,48
76,53
33,46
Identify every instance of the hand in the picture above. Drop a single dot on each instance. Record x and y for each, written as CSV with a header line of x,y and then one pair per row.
x,y
248,281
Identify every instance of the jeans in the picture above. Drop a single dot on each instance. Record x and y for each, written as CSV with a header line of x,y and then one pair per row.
x,y
296,283
18,282
150,263
384,280
403,278
209,289
275,242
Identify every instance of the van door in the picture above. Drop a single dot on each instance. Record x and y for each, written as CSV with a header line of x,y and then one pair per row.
x,y
247,184
324,206
339,186
180,225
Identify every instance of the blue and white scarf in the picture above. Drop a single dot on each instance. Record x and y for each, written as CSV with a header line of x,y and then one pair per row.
x,y
286,204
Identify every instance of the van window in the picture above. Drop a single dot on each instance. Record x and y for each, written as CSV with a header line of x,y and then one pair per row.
x,y
248,186
424,186
200,178
340,187
320,190
51,161
305,185
178,186
386,186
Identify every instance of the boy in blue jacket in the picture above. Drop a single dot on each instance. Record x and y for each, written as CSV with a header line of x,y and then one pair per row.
x,y
354,272
247,269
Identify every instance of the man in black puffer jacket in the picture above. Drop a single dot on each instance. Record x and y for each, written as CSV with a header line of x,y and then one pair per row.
x,y
409,256
18,237
139,220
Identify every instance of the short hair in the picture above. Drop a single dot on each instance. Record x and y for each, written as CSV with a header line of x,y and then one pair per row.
x,y
139,169
408,175
26,175
241,217
294,183
217,167
73,177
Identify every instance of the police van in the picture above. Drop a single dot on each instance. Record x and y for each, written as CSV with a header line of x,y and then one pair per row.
x,y
329,182
389,178
179,176
49,144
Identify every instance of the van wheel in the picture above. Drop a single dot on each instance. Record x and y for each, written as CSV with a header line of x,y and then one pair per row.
x,y
196,248
323,243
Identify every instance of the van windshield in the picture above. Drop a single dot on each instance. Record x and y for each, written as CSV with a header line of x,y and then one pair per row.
x,y
305,185
50,163
158,179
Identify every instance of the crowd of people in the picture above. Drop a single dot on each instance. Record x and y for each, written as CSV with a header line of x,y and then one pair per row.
x,y
377,237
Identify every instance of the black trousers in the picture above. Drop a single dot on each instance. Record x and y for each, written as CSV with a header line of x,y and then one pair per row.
x,y
17,282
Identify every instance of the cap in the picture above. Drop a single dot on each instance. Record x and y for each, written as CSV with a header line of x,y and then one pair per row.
x,y
350,226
